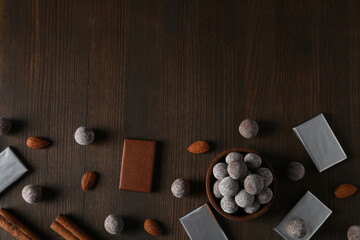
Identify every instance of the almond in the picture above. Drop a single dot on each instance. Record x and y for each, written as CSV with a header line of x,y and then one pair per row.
x,y
88,181
152,227
37,142
199,147
345,190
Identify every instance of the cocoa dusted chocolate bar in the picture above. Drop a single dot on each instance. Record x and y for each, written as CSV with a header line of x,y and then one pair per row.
x,y
137,165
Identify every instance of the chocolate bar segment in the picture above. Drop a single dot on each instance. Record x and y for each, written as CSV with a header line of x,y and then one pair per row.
x,y
137,165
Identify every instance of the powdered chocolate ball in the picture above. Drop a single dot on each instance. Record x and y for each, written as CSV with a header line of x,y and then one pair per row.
x,y
266,175
228,187
253,208
228,205
253,184
295,171
237,169
114,224
216,190
234,156
353,233
265,196
84,135
252,160
180,188
248,128
244,199
32,193
5,125
297,228
220,170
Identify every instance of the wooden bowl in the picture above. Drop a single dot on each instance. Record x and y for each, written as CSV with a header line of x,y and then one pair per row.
x,y
240,215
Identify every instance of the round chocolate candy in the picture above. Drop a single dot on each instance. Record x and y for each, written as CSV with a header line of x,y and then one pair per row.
x,y
237,169
228,187
296,228
32,193
353,232
228,205
216,190
5,125
295,171
252,160
253,208
248,128
180,188
253,184
244,199
220,170
114,224
265,196
84,135
266,175
233,156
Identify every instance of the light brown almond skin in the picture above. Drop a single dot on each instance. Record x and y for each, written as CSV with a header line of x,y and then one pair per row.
x,y
152,227
88,181
345,191
199,147
37,142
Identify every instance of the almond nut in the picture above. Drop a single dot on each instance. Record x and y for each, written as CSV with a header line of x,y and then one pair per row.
x,y
199,147
88,181
37,142
152,227
345,191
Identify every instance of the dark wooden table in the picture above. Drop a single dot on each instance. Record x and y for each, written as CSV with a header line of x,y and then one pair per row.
x,y
175,71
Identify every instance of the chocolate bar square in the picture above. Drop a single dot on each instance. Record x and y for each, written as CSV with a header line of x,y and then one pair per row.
x,y
137,165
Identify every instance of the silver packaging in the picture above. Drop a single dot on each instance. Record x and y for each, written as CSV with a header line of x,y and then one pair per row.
x,y
201,224
320,142
11,168
311,210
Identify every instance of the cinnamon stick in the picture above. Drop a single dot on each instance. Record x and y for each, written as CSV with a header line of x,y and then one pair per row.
x,y
68,229
16,228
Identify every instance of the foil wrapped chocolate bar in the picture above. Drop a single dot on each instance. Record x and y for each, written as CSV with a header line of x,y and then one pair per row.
x,y
311,210
201,224
11,168
320,142
137,165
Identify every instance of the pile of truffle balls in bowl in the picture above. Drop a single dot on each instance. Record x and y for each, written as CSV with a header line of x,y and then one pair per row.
x,y
240,184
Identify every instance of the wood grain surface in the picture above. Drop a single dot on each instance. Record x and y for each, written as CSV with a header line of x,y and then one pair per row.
x,y
175,72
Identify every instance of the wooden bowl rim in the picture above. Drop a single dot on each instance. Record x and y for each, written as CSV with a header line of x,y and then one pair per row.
x,y
212,199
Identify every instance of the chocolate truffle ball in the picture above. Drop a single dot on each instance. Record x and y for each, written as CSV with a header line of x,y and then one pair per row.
x,y
243,199
216,190
180,188
296,228
5,125
265,196
234,156
266,175
220,170
253,184
32,193
84,135
228,205
228,187
252,160
353,233
253,208
114,224
248,128
295,171
237,169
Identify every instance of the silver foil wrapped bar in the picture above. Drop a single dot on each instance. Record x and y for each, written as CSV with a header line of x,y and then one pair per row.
x,y
311,210
201,224
11,168
320,142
